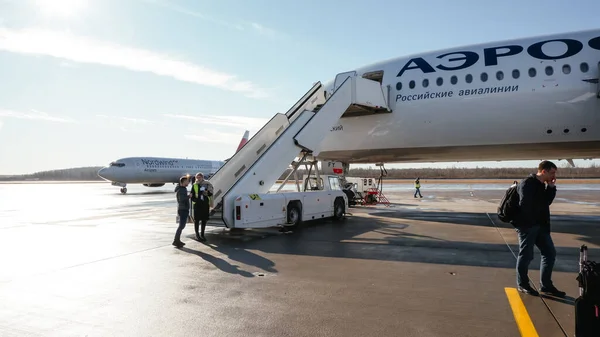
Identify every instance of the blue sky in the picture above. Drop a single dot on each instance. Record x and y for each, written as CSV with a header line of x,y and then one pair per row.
x,y
87,81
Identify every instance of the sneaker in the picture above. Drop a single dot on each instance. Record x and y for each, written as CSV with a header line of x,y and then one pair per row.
x,y
554,292
178,244
528,290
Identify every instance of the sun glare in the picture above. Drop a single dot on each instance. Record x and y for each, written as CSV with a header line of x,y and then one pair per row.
x,y
60,8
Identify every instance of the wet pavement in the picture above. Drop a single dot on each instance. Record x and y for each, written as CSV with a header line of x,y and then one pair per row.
x,y
91,262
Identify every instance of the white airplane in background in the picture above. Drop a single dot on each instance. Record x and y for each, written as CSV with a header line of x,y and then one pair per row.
x,y
522,99
156,172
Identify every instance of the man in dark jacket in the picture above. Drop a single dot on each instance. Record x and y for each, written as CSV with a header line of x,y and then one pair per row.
x,y
183,208
202,190
532,223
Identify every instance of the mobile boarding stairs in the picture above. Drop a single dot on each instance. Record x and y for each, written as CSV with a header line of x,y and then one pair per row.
x,y
257,166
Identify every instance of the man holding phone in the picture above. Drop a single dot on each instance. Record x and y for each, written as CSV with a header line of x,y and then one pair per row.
x,y
532,223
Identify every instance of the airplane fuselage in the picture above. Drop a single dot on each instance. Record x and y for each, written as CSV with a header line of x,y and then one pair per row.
x,y
156,171
523,99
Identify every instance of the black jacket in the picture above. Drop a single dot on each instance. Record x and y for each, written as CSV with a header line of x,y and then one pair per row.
x,y
534,203
183,201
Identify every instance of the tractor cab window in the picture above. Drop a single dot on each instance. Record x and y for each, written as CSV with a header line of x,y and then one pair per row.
x,y
334,182
312,184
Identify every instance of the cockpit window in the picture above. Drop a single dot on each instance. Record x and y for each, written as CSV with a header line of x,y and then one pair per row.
x,y
117,164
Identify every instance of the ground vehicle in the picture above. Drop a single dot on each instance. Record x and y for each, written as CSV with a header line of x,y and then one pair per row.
x,y
320,197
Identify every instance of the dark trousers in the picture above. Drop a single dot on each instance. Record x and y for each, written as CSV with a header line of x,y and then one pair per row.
x,y
540,237
200,215
183,215
418,190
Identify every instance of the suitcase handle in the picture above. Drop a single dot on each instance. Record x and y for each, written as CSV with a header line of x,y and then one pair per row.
x,y
582,259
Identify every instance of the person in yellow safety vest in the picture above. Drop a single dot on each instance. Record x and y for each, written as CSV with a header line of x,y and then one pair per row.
x,y
202,190
418,187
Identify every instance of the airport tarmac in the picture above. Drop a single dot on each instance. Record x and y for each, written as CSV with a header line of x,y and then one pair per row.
x,y
83,260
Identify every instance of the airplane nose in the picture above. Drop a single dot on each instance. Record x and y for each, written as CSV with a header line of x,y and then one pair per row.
x,y
102,173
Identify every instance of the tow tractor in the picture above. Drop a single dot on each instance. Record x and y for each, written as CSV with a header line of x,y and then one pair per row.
x,y
320,196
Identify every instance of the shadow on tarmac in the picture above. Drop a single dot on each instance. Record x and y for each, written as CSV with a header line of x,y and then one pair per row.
x,y
327,238
235,254
219,263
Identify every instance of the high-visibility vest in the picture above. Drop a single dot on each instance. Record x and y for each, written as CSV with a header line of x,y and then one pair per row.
x,y
417,185
196,189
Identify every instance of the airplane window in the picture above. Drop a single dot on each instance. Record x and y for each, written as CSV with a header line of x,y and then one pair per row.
x,y
500,76
425,83
399,86
484,77
566,69
532,72
117,164
549,70
453,79
516,73
411,84
440,81
469,78
584,67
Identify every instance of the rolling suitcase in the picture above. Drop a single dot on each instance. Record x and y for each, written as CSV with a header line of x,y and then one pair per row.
x,y
587,305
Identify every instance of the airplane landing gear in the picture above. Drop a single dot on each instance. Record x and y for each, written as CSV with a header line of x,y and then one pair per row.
x,y
122,185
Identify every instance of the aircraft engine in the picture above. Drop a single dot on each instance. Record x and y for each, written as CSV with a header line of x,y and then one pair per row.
x,y
154,185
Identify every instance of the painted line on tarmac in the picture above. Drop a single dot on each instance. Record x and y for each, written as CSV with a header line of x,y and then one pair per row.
x,y
533,285
520,313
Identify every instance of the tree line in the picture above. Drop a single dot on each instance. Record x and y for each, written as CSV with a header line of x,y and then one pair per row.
x,y
469,173
70,174
91,173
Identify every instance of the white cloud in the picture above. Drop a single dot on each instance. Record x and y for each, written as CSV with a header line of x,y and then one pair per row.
x,y
240,122
127,119
65,64
264,30
126,124
212,136
86,50
195,14
238,26
35,115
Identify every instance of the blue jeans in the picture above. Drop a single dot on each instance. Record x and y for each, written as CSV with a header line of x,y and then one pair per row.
x,y
183,215
418,190
540,237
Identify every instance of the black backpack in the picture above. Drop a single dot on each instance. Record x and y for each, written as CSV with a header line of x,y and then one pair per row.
x,y
509,205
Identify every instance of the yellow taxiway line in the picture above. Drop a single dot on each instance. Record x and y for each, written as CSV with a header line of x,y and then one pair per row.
x,y
521,315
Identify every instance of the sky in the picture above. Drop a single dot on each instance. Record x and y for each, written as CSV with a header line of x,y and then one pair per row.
x,y
84,82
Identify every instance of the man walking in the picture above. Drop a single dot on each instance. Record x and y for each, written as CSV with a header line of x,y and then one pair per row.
x,y
532,223
418,187
183,208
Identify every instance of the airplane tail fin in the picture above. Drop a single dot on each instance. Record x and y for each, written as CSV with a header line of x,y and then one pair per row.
x,y
243,141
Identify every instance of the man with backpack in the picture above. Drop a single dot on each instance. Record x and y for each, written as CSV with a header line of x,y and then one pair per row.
x,y
536,193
